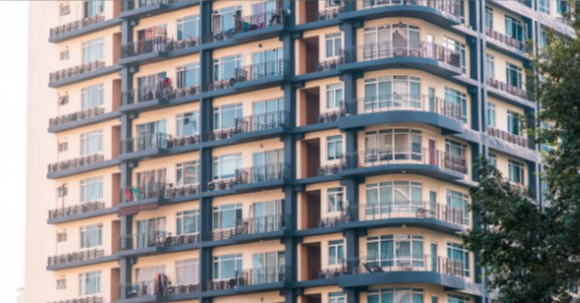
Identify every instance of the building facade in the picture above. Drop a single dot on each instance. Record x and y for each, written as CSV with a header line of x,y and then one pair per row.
x,y
240,151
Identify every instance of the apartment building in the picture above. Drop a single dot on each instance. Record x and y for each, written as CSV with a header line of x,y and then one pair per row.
x,y
271,151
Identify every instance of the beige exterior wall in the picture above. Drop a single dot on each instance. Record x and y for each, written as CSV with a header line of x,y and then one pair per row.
x,y
112,45
110,231
77,11
500,64
111,195
169,19
110,149
111,90
501,112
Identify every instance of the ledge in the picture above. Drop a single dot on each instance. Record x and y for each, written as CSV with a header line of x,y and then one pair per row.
x,y
156,9
85,122
509,98
85,76
83,216
83,169
420,169
424,64
87,30
512,149
423,277
448,125
104,259
426,13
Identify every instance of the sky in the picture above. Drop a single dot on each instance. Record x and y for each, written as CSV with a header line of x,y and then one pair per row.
x,y
13,90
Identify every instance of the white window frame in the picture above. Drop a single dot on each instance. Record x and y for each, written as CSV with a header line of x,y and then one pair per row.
x,y
334,144
180,223
337,194
92,189
219,66
85,278
333,45
187,272
218,114
181,172
181,22
218,164
514,165
218,217
334,249
182,70
491,116
180,123
87,142
334,96
93,50
94,91
465,255
218,264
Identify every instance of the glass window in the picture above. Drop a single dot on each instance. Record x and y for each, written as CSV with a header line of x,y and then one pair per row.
x,y
225,19
544,6
335,199
488,17
336,252
397,91
187,124
563,7
91,236
188,27
493,160
490,114
188,75
187,173
94,7
91,143
458,252
93,96
514,28
455,148
225,267
147,274
514,123
393,196
334,145
225,68
224,117
334,96
149,231
187,222
225,167
333,45
452,298
94,50
92,189
516,171
227,216
187,272
458,48
395,250
514,75
459,99
393,144
489,66
460,202
396,295
90,283
336,297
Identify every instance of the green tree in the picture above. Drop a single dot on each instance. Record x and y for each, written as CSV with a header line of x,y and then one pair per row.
x,y
531,252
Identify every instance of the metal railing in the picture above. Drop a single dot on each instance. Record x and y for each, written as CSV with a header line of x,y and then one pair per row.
x,y
419,49
332,169
159,92
329,64
221,184
426,263
76,257
333,272
452,7
145,142
248,277
74,163
263,121
250,23
135,4
155,239
507,137
331,116
426,156
76,70
330,221
260,173
93,299
143,192
82,208
261,70
506,88
220,84
329,12
411,209
248,226
157,44
221,134
77,116
76,25
515,43
413,102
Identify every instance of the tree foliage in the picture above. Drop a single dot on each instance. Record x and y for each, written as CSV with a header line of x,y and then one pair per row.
x,y
531,252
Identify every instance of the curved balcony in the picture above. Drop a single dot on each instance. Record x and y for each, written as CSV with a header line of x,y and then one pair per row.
x,y
505,40
507,137
156,49
145,98
93,299
427,56
434,163
266,24
404,108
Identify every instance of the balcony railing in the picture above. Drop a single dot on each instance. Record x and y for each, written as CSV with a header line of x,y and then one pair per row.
x,y
135,4
260,122
221,184
222,134
150,288
330,12
155,239
250,23
159,92
157,44
507,137
412,102
83,208
261,70
74,163
506,88
425,210
426,263
248,226
425,156
82,300
260,173
76,25
332,169
76,70
515,43
220,84
77,116
76,257
390,49
330,221
333,272
145,142
331,116
329,64
248,277
451,7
